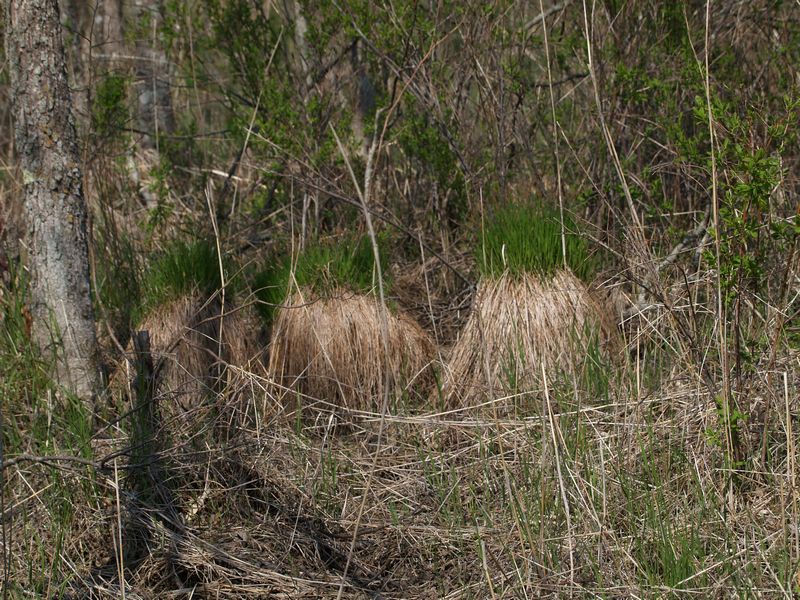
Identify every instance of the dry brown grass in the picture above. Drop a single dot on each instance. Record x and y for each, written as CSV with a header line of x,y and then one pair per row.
x,y
517,324
189,358
332,349
481,516
182,344
242,340
434,296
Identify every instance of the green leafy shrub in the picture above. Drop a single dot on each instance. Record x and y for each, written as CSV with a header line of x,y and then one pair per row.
x,y
526,238
110,108
322,268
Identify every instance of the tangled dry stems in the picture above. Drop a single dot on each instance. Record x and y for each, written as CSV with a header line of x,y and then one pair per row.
x,y
271,513
265,518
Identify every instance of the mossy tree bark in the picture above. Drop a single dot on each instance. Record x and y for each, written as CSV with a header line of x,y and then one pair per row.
x,y
55,208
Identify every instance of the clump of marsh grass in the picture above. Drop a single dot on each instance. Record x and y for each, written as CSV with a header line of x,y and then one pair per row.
x,y
530,311
183,334
333,349
193,336
517,325
320,268
193,344
182,269
526,238
328,329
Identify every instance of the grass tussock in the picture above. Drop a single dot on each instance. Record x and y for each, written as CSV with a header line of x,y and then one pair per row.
x,y
192,343
322,268
182,345
333,349
183,268
524,238
519,323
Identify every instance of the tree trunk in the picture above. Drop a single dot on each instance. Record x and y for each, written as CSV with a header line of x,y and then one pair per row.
x,y
108,33
56,212
76,27
154,107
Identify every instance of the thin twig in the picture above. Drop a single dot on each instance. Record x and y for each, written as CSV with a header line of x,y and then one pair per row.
x,y
544,14
48,460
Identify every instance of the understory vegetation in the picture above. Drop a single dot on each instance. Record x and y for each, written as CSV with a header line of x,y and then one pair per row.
x,y
443,300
